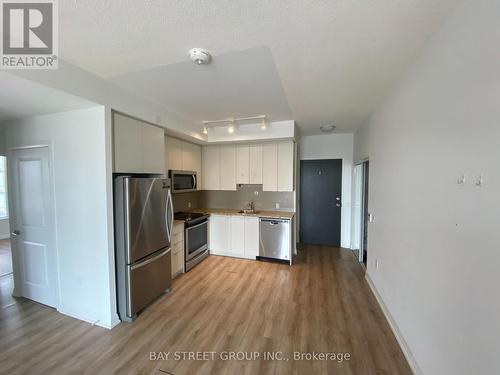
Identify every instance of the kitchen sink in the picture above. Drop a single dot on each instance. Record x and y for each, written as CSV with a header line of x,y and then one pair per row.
x,y
248,212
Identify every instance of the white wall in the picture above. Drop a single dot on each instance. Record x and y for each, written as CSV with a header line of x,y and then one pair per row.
x,y
334,146
362,143
82,174
437,241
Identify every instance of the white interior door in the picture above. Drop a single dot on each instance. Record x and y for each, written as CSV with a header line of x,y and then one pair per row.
x,y
33,225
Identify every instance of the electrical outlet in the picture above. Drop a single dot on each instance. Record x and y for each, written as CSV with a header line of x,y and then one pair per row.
x,y
189,204
277,205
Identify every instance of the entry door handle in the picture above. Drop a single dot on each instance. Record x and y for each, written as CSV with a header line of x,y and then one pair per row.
x,y
16,233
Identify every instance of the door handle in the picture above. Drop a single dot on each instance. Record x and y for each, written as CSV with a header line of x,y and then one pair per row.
x,y
337,204
16,233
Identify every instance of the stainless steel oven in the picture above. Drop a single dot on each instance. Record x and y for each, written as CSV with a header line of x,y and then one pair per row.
x,y
195,237
183,181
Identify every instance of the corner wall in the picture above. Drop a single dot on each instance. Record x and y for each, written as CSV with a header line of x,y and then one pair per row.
x,y
81,159
436,241
334,146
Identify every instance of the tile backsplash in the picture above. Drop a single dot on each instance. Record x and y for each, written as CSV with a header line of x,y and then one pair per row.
x,y
186,201
264,200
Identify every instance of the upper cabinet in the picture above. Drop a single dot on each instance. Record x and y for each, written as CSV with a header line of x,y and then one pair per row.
x,y
242,164
227,167
138,146
173,154
270,167
286,166
255,165
270,164
183,156
211,168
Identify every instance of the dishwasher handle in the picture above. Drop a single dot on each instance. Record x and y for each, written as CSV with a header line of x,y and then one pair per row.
x,y
274,221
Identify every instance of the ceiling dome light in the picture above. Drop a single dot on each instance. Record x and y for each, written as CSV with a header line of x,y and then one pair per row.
x,y
327,128
199,56
230,130
205,130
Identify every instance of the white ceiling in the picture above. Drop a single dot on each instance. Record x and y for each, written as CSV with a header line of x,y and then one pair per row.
x,y
236,84
323,61
21,98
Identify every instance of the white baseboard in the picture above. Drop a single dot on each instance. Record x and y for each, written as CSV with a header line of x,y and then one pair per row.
x,y
113,324
395,329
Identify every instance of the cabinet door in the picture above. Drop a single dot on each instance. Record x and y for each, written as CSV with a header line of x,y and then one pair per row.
x,y
211,168
173,154
228,167
237,236
270,167
285,166
188,156
251,237
242,165
220,234
127,144
153,149
197,165
255,164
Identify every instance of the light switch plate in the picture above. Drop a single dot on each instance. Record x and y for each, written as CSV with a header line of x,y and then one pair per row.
x,y
277,205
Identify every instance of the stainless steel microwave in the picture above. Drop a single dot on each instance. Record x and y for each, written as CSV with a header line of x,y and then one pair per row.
x,y
183,181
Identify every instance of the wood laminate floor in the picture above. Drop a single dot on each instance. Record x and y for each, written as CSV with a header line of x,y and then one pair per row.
x,y
321,304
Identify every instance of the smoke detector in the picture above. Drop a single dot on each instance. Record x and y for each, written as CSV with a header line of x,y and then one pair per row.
x,y
199,56
327,128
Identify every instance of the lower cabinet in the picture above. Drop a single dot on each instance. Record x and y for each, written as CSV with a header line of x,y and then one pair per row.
x,y
236,236
177,251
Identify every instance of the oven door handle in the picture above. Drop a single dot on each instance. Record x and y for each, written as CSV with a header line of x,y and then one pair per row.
x,y
197,225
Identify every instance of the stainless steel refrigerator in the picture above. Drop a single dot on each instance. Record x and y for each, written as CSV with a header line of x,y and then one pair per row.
x,y
143,228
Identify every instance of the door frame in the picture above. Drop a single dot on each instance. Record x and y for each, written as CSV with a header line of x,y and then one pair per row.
x,y
363,208
16,266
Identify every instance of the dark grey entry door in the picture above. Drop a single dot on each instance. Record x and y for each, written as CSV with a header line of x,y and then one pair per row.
x,y
320,201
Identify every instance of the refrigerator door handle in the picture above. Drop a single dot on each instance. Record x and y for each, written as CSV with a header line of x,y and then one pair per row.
x,y
150,260
169,217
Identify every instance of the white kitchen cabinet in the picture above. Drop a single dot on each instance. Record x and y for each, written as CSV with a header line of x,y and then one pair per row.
x,y
285,166
177,252
270,167
242,164
173,153
227,167
255,164
153,149
181,155
196,155
220,234
211,168
127,144
138,147
237,248
251,237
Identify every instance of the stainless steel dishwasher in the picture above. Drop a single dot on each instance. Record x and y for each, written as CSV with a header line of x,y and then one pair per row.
x,y
274,239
